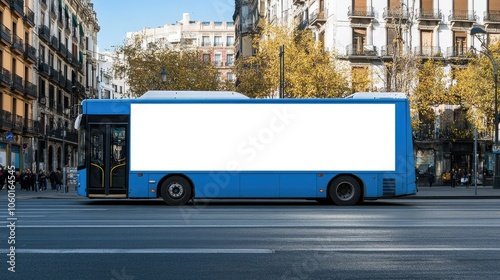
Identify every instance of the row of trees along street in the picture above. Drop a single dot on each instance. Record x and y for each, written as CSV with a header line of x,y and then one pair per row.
x,y
310,72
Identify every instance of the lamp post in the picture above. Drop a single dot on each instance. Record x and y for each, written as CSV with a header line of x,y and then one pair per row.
x,y
282,71
63,156
487,52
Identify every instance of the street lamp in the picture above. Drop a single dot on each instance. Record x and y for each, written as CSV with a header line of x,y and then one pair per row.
x,y
63,156
487,52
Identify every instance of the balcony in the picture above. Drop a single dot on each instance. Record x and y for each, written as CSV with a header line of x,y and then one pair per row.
x,y
17,6
62,51
52,103
30,90
458,52
361,12
5,77
5,119
462,16
44,33
386,51
53,74
53,11
29,17
429,15
355,50
69,85
43,69
5,37
491,17
298,2
17,83
54,43
17,123
74,61
43,4
31,127
29,53
398,12
428,51
62,79
17,45
58,134
318,17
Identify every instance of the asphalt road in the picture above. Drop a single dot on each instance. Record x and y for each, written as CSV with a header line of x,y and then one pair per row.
x,y
385,239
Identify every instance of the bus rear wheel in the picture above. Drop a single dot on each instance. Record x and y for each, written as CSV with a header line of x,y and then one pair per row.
x,y
344,190
176,190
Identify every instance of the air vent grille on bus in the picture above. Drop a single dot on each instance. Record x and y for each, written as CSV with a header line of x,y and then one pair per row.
x,y
389,186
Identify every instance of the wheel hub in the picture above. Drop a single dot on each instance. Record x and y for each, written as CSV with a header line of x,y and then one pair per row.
x,y
175,190
345,191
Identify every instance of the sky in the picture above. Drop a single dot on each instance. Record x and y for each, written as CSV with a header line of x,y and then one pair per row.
x,y
117,17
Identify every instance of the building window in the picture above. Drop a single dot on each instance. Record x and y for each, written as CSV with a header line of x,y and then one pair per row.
x,y
358,40
229,60
229,41
206,57
218,59
459,43
230,76
427,48
217,41
205,41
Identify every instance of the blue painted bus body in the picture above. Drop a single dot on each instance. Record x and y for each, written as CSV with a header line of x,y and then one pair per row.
x,y
269,184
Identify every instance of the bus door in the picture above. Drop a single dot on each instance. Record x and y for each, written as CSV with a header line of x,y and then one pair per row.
x,y
108,164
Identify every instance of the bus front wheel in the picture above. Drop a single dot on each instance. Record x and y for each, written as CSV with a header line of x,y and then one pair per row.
x,y
344,190
176,190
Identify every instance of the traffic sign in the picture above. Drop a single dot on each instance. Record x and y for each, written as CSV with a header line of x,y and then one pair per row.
x,y
496,149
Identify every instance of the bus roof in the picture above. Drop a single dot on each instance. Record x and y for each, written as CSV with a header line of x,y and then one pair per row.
x,y
375,95
165,94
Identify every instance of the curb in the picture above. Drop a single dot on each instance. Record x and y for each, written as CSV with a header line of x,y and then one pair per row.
x,y
451,197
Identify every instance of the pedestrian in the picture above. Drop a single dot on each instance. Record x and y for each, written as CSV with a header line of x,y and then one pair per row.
x,y
42,180
24,180
431,179
59,179
453,178
32,181
3,174
52,179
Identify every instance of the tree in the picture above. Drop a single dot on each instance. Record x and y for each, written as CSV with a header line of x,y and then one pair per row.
x,y
309,71
141,66
430,92
401,71
474,85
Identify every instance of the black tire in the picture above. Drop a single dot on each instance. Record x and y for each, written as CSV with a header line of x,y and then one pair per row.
x,y
344,191
176,190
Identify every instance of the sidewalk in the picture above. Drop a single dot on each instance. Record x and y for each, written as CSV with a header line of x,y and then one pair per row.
x,y
424,192
459,192
47,194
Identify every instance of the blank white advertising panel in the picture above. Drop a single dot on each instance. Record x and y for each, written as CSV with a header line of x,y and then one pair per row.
x,y
262,137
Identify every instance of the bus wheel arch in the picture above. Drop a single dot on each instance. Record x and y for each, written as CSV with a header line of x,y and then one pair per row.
x,y
175,189
346,189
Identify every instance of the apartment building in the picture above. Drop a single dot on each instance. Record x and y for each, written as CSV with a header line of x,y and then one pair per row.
x,y
46,55
365,34
214,39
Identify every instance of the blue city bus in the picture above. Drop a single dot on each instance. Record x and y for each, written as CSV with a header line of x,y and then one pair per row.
x,y
186,145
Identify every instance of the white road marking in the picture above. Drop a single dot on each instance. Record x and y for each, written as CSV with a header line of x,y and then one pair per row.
x,y
244,251
255,226
141,251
